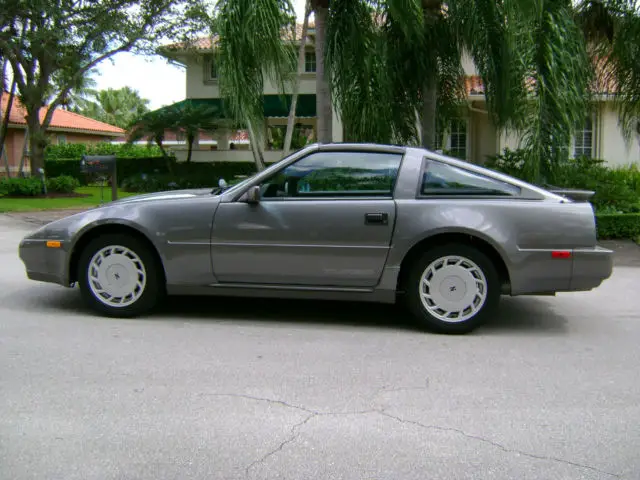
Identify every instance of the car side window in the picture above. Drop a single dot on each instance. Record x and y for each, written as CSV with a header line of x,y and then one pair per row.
x,y
336,174
442,179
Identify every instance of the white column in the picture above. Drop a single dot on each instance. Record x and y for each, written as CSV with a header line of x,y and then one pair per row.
x,y
222,137
336,127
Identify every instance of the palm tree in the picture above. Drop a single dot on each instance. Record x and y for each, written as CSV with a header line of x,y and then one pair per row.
x,y
612,32
249,48
80,96
388,62
191,119
118,107
152,125
296,84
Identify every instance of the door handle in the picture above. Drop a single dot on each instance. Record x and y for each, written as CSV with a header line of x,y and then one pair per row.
x,y
376,218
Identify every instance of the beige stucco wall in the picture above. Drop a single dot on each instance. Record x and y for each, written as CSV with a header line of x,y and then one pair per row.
x,y
198,88
483,134
613,147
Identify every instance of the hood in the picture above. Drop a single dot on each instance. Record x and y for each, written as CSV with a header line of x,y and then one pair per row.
x,y
168,195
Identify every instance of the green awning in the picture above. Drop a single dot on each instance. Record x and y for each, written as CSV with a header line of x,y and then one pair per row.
x,y
274,105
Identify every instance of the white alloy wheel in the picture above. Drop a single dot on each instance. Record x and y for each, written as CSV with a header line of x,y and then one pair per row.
x,y
453,289
116,276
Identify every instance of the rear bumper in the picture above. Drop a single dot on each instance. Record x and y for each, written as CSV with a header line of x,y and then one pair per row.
x,y
591,267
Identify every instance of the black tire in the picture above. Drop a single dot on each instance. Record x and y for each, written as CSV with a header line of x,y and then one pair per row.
x,y
414,284
154,286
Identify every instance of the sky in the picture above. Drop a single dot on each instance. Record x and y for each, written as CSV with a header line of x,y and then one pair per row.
x,y
153,77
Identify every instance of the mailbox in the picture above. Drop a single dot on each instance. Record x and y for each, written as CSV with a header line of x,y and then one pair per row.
x,y
102,164
98,163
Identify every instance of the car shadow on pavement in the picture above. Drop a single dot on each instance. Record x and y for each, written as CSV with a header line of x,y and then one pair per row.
x,y
519,315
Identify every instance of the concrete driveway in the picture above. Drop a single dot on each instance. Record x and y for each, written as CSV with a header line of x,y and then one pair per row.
x,y
226,389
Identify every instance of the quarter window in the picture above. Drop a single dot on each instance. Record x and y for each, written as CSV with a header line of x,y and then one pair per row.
x,y
336,174
443,179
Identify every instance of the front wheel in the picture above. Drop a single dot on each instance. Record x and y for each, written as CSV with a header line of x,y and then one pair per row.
x,y
119,277
453,289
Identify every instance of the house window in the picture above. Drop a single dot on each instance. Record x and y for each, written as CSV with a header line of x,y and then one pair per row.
x,y
454,140
310,62
458,139
210,71
583,141
62,139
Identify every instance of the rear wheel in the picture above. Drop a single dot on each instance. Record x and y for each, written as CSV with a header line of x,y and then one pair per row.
x,y
119,276
453,289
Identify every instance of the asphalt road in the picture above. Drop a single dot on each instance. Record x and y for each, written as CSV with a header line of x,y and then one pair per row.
x,y
226,389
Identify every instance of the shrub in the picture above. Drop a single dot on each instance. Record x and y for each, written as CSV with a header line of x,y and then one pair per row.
x,y
617,190
126,167
188,175
62,184
75,151
24,187
614,225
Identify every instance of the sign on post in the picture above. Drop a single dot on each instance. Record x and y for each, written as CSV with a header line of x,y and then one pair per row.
x,y
105,164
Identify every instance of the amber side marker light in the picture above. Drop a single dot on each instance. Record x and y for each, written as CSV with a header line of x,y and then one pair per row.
x,y
54,244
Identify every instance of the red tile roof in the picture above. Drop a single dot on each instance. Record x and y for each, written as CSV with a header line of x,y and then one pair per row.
x,y
206,43
61,120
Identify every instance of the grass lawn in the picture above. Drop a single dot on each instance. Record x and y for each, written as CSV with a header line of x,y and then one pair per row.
x,y
32,204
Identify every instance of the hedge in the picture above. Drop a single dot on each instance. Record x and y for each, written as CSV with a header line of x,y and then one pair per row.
x,y
618,225
126,167
75,151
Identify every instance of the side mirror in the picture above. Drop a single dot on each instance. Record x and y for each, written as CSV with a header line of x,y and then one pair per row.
x,y
254,194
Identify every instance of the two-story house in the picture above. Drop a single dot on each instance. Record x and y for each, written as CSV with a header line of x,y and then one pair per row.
x,y
472,136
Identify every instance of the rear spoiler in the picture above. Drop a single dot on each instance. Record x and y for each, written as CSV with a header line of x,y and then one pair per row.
x,y
574,194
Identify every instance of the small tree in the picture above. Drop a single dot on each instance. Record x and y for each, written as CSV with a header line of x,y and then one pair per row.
x,y
120,107
63,40
191,119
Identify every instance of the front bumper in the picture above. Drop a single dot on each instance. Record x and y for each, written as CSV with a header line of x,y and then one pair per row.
x,y
44,264
591,267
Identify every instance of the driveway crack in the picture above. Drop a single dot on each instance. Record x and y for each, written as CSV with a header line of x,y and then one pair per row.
x,y
496,444
292,438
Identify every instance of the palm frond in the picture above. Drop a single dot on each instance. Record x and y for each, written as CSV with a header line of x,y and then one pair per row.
x,y
554,52
250,47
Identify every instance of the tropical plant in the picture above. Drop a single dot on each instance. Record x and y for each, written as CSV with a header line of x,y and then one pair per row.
x,y
120,107
190,119
152,125
612,32
79,97
296,83
250,46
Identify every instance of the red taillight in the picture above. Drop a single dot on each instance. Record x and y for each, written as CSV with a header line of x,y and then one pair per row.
x,y
561,254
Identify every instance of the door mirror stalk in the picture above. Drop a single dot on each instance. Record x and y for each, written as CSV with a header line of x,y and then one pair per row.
x,y
253,195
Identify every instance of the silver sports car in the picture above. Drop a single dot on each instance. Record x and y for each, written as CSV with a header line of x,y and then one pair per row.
x,y
337,221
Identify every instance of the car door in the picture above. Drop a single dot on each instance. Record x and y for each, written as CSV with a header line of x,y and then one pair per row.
x,y
325,220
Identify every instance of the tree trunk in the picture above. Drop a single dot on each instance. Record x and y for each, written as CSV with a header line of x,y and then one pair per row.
x,y
429,112
158,140
431,9
190,140
5,121
258,157
37,141
324,110
296,84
